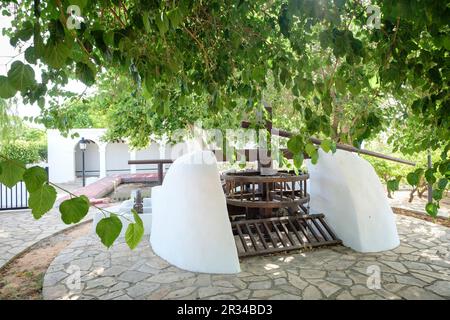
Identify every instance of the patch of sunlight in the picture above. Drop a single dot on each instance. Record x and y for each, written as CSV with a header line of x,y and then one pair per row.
x,y
286,259
98,271
271,266
4,234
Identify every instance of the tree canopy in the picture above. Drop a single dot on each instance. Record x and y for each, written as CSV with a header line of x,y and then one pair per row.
x,y
347,77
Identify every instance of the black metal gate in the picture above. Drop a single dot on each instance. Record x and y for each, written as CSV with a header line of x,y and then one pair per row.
x,y
13,198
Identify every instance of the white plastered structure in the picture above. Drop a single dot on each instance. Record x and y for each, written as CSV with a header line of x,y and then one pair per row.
x,y
346,189
190,227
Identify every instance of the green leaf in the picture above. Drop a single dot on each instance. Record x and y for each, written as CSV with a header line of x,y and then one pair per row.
x,y
55,54
393,185
74,210
34,178
42,200
432,209
442,183
429,176
108,229
298,159
21,76
413,178
135,231
326,145
26,32
30,55
162,22
175,17
146,22
12,172
310,149
85,73
6,90
333,146
314,157
437,194
295,144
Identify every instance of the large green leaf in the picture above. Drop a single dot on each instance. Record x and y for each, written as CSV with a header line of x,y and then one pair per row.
x,y
21,76
310,149
108,229
26,32
295,144
34,178
298,159
12,172
74,210
42,200
6,90
55,54
413,178
135,231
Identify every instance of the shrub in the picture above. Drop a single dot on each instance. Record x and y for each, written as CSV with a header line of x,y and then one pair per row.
x,y
21,151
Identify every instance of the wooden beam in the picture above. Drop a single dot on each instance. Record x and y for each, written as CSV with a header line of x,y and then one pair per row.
x,y
341,146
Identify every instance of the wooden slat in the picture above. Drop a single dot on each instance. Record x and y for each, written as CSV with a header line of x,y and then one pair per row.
x,y
277,231
322,232
309,228
286,231
299,237
261,236
252,239
333,236
241,236
270,234
303,230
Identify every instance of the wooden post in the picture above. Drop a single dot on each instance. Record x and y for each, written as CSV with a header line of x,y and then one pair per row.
x,y
160,173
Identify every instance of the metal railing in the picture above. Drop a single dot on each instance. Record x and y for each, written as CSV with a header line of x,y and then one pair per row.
x,y
14,198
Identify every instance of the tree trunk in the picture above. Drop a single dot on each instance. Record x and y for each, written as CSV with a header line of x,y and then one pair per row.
x,y
411,194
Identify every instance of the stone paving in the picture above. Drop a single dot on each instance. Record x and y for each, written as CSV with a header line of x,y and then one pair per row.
x,y
418,269
19,230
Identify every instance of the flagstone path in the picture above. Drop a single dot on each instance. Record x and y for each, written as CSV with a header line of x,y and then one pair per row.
x,y
19,231
418,269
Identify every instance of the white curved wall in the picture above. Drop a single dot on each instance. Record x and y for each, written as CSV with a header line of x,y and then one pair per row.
x,y
190,225
346,189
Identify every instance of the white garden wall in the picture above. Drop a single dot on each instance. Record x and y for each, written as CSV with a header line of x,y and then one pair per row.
x,y
102,158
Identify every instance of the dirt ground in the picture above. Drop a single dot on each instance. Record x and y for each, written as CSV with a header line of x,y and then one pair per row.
x,y
400,200
22,278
